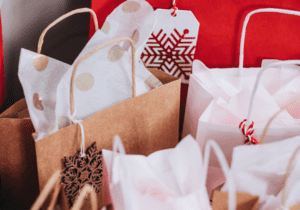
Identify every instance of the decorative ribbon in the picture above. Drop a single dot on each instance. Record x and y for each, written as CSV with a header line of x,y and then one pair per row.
x,y
248,133
174,12
72,117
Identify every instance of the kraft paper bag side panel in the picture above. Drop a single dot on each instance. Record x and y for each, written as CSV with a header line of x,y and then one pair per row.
x,y
18,169
13,111
147,123
244,201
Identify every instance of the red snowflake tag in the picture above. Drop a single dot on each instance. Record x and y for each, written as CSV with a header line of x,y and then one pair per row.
x,y
172,44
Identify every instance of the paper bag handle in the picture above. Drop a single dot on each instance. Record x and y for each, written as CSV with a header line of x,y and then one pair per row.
x,y
76,11
283,11
287,174
211,144
86,190
53,182
91,53
117,146
259,75
287,106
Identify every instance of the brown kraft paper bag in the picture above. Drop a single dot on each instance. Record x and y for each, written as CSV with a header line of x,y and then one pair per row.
x,y
18,170
146,123
244,201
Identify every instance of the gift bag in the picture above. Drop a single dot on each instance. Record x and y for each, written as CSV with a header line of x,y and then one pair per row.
x,y
52,190
140,121
288,198
218,101
18,169
261,170
264,169
112,82
167,179
39,76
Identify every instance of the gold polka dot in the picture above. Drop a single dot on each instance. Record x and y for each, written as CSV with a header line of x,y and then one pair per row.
x,y
40,62
37,102
115,53
84,81
51,128
105,28
136,36
130,6
35,135
63,122
152,82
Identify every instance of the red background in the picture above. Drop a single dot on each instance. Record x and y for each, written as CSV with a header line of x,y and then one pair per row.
x,y
269,35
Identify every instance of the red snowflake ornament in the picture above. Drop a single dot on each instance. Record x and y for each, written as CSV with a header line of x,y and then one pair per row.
x,y
172,45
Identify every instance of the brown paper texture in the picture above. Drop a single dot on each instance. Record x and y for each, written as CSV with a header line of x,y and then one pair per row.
x,y
146,123
18,170
244,201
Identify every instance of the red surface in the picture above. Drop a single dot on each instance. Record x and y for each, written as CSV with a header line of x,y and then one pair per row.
x,y
2,78
269,35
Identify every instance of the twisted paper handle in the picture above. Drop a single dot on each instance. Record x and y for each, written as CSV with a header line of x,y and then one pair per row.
x,y
175,9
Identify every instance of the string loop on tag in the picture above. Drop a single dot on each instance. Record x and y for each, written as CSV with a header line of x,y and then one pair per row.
x,y
82,147
248,132
174,12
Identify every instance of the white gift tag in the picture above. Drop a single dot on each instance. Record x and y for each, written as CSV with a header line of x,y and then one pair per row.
x,y
172,44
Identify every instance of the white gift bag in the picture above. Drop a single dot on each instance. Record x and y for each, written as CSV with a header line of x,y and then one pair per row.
x,y
209,84
167,179
219,100
265,169
289,196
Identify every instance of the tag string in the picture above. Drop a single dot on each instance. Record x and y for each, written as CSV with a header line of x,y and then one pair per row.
x,y
174,12
248,132
82,147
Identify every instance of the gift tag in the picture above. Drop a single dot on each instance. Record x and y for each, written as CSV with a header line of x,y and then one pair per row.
x,y
81,170
172,44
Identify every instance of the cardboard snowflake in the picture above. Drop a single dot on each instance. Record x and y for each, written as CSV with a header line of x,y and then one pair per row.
x,y
82,170
171,46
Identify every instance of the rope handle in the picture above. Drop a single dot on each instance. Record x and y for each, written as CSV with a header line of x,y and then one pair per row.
x,y
72,107
53,182
283,11
76,11
294,102
287,174
86,190
211,144
175,8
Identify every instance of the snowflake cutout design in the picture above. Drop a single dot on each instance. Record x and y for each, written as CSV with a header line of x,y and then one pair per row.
x,y
82,170
173,54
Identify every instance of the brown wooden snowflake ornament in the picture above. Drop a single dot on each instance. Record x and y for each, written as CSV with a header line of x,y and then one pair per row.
x,y
82,170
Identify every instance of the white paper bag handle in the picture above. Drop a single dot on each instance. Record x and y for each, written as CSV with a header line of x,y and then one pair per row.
x,y
76,11
117,147
283,11
211,144
259,75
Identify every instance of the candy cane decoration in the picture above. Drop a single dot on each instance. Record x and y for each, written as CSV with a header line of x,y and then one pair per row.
x,y
248,134
174,13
